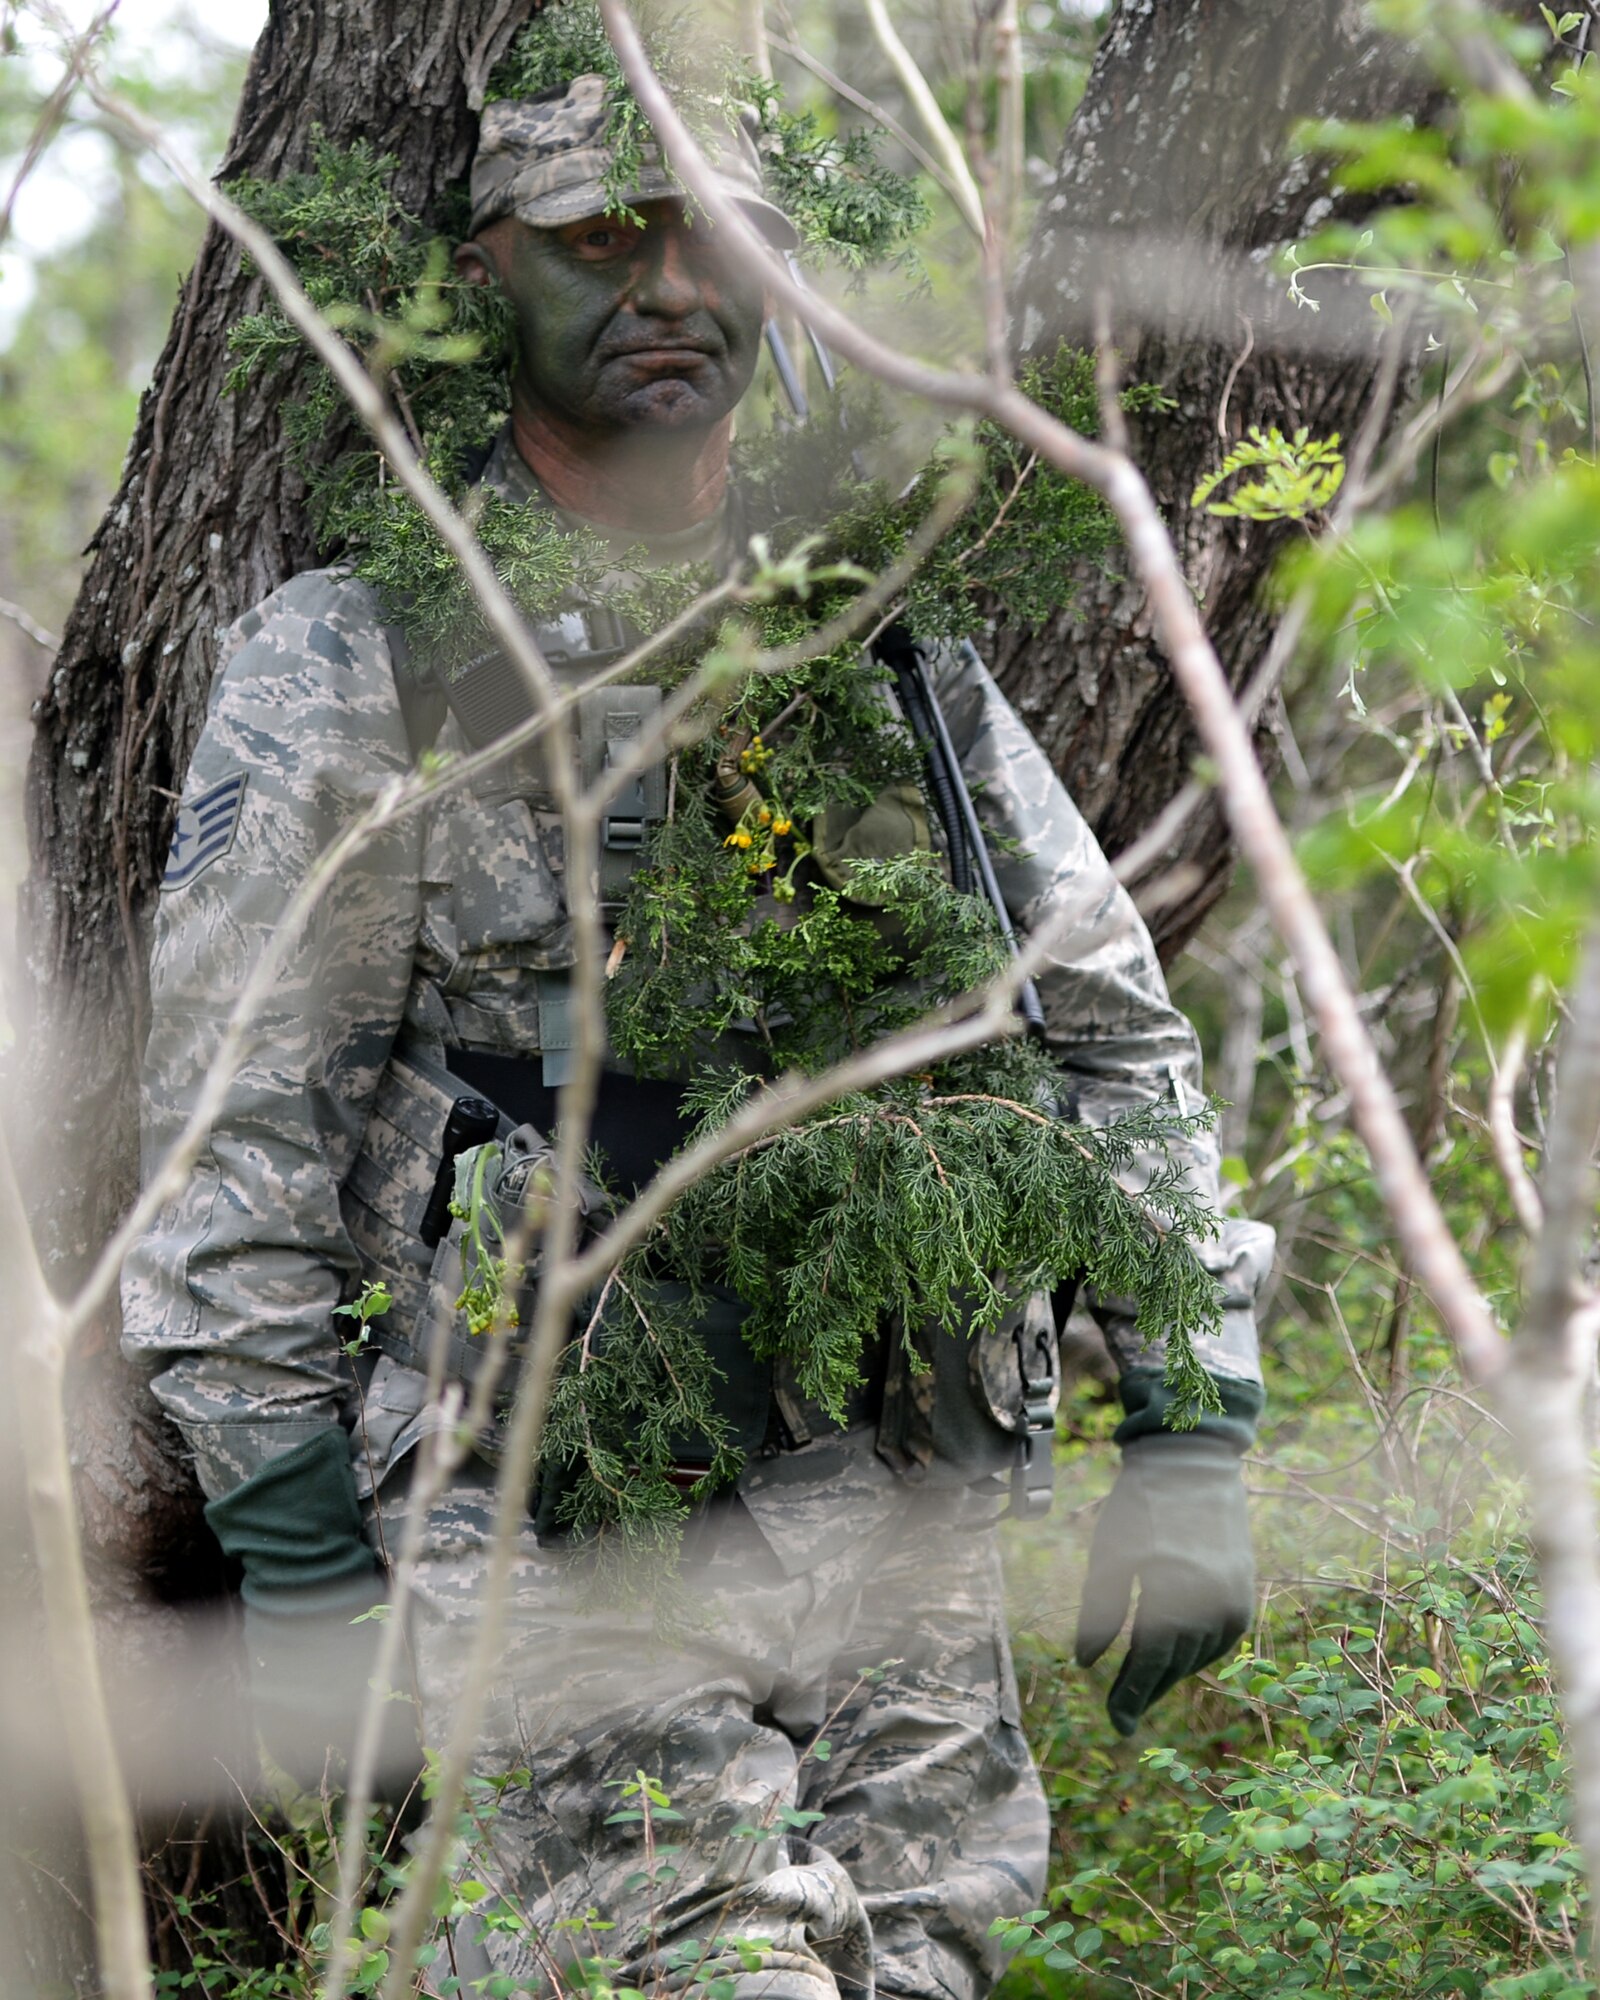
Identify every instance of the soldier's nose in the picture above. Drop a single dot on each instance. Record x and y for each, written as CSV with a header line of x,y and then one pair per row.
x,y
668,286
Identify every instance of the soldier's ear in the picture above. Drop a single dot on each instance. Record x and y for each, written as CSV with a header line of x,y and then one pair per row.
x,y
475,264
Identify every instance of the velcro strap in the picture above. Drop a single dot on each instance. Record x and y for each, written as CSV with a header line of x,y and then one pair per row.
x,y
556,1027
490,695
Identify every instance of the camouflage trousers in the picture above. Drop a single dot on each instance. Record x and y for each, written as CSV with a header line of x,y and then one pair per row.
x,y
851,1799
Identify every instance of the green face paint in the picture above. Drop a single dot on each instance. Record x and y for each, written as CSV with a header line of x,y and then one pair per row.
x,y
621,327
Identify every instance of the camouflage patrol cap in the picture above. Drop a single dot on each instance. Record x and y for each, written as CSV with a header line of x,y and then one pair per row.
x,y
545,160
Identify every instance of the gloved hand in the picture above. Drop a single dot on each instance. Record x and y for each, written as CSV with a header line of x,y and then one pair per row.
x,y
308,1575
1177,1522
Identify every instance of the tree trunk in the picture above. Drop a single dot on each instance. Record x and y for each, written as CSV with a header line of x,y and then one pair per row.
x,y
209,518
1176,182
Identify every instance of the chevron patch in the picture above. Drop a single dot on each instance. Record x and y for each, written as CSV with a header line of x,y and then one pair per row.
x,y
205,831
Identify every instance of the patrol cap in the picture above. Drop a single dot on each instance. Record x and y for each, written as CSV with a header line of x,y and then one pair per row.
x,y
545,160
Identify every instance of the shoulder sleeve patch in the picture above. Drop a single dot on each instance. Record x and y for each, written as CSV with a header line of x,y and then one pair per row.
x,y
204,832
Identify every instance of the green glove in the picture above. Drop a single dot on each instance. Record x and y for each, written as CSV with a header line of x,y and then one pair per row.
x,y
1178,1522
308,1574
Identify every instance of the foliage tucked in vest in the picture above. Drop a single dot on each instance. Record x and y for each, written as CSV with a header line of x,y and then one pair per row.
x,y
818,913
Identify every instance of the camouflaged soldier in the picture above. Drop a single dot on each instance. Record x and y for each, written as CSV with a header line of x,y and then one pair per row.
x,y
432,983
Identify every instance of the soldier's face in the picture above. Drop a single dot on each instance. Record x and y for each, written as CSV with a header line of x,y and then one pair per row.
x,y
622,326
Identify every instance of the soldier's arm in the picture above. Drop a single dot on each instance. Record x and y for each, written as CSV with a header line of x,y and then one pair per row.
x,y
1176,1527
1110,1022
230,1294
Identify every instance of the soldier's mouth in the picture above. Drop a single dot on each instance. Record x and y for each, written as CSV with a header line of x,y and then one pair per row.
x,y
664,359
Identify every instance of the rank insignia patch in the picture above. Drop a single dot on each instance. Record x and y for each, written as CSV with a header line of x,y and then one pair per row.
x,y
205,830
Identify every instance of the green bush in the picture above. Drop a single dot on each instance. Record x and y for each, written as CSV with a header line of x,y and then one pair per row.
x,y
1377,1811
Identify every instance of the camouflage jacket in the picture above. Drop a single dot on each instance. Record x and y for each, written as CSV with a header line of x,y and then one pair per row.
x,y
444,932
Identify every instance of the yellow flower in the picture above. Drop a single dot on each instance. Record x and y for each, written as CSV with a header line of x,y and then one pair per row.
x,y
738,838
765,816
782,825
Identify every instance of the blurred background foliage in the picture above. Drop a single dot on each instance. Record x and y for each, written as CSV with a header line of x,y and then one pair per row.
x,y
89,275
1369,1799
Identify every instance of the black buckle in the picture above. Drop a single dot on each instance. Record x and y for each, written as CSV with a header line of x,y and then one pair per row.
x,y
1033,1475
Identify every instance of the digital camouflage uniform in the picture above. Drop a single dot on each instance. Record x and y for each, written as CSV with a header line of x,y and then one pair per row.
x,y
848,1587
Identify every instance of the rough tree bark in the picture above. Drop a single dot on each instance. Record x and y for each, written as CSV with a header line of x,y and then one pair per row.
x,y
1177,179
208,519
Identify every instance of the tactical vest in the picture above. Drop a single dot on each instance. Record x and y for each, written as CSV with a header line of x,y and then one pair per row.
x,y
975,1407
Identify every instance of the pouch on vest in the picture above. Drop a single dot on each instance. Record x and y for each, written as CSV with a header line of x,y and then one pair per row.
x,y
895,823
977,1404
490,698
1016,1374
483,1285
385,1199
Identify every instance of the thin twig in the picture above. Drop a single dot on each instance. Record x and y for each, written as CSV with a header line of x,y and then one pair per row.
x,y
926,105
874,110
35,631
1504,1135
78,50
38,1374
1239,360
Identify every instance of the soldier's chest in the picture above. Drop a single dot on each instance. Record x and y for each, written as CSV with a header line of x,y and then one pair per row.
x,y
495,937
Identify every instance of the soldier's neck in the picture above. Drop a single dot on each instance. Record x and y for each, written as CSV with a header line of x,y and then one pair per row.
x,y
644,485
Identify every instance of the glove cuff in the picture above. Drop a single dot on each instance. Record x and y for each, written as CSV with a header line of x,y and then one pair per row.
x,y
1147,1400
296,1527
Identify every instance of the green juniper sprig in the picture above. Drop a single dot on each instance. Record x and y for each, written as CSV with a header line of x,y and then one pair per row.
x,y
923,1203
929,1206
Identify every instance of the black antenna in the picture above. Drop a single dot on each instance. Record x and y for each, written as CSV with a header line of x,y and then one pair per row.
x,y
783,361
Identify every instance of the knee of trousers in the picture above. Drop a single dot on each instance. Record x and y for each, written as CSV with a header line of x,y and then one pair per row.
x,y
804,1933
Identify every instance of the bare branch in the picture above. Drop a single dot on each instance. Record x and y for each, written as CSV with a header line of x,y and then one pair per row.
x,y
1555,1289
1553,1359
35,631
752,25
1011,83
1503,1131
926,105
38,1373
78,50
